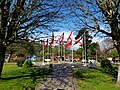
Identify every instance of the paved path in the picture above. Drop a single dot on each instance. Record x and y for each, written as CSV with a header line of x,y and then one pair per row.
x,y
60,78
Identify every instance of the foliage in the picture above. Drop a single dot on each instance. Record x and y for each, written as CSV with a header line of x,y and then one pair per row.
x,y
27,63
79,51
108,68
101,17
78,74
114,53
106,63
20,63
24,20
20,55
96,80
88,41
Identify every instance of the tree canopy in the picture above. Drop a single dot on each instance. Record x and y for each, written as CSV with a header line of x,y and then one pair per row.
x,y
25,19
99,16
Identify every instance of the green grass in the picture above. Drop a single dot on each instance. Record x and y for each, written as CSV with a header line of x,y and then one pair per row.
x,y
96,80
18,78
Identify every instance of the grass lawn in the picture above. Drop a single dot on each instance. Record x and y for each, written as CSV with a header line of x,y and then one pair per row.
x,y
96,80
18,78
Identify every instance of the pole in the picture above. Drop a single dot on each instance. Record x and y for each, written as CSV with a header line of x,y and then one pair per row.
x,y
52,53
83,50
59,53
96,57
64,52
43,56
85,47
72,49
72,52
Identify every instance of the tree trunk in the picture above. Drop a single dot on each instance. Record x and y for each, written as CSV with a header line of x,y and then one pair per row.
x,y
118,49
2,57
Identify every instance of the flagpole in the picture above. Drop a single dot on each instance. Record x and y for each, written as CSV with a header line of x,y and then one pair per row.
x,y
43,56
72,49
96,56
64,52
72,52
59,52
52,53
85,47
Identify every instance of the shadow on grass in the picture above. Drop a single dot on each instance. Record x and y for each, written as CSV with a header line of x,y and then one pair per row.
x,y
15,77
33,74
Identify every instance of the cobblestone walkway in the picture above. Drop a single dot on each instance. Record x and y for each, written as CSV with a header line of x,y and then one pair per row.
x,y
60,79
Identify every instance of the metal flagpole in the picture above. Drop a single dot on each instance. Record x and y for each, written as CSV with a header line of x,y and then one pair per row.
x,y
85,47
59,53
64,52
83,50
52,52
72,49
96,57
43,56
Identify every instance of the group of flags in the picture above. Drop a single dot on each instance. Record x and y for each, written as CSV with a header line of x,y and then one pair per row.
x,y
60,40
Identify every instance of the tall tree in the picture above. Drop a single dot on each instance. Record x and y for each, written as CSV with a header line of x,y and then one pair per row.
x,y
86,40
100,16
20,19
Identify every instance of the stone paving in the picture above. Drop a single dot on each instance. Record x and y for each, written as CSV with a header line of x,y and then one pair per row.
x,y
60,78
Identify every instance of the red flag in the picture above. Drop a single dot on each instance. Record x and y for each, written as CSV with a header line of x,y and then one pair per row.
x,y
69,43
52,40
69,37
62,38
78,40
46,44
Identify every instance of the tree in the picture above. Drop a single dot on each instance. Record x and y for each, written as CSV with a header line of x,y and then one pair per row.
x,y
24,19
86,42
100,16
94,49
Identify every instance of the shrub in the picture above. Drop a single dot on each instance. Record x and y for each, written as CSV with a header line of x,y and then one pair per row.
x,y
20,55
108,68
78,74
20,63
106,63
28,63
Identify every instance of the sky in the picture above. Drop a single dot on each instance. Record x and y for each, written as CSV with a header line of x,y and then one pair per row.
x,y
66,34
71,23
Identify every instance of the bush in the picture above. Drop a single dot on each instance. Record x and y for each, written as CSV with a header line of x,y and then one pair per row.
x,y
78,74
106,63
108,68
20,55
20,63
28,63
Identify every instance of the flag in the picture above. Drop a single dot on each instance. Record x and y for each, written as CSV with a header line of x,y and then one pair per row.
x,y
69,43
46,44
69,37
78,40
62,38
52,40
